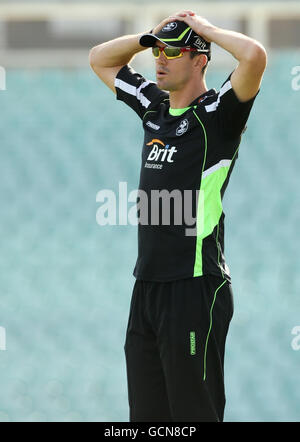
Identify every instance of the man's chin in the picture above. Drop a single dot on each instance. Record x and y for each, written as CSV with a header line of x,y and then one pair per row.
x,y
161,84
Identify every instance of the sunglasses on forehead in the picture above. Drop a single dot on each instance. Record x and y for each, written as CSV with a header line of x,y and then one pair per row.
x,y
170,52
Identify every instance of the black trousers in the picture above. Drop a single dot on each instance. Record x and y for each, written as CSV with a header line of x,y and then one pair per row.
x,y
174,349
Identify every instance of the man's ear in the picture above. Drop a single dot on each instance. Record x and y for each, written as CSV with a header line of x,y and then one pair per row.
x,y
200,61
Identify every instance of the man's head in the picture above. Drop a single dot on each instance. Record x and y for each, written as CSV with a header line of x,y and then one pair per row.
x,y
173,72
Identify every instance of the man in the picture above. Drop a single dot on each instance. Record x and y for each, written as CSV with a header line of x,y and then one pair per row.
x,y
182,298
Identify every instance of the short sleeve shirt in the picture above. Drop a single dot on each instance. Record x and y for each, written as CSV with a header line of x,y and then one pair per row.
x,y
187,159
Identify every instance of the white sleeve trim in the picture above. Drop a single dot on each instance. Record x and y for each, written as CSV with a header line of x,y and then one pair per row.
x,y
219,165
213,106
136,92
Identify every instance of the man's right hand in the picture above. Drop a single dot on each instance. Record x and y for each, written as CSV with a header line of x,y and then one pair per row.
x,y
172,18
108,58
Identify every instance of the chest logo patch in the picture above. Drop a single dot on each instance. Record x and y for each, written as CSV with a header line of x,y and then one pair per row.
x,y
182,128
160,153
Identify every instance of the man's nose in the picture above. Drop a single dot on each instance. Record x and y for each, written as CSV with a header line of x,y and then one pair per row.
x,y
162,57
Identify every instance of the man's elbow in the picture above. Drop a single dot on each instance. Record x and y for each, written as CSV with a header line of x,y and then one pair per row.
x,y
93,56
257,55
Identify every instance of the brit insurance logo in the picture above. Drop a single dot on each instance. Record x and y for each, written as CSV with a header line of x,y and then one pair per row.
x,y
159,154
182,128
169,27
199,43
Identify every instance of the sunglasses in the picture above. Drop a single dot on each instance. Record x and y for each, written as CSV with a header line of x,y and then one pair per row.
x,y
170,52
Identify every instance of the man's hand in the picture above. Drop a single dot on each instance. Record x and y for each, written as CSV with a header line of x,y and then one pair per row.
x,y
251,55
177,16
199,24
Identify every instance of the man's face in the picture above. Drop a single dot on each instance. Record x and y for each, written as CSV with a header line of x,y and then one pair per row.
x,y
172,75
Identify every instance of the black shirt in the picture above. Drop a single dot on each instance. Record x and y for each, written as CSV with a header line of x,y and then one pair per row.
x,y
187,158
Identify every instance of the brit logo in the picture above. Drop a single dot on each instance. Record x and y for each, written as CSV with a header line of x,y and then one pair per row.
x,y
160,154
200,44
170,27
182,128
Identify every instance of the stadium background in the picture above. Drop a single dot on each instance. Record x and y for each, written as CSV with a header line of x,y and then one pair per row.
x,y
65,282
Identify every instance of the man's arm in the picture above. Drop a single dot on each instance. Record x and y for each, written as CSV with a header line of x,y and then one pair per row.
x,y
251,55
108,58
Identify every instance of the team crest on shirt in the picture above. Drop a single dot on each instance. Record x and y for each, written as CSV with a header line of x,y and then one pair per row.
x,y
183,127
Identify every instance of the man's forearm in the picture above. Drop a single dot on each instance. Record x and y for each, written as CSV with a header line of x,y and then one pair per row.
x,y
242,48
117,52
120,51
239,45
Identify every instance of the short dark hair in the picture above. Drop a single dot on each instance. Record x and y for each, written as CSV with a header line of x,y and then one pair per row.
x,y
194,54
